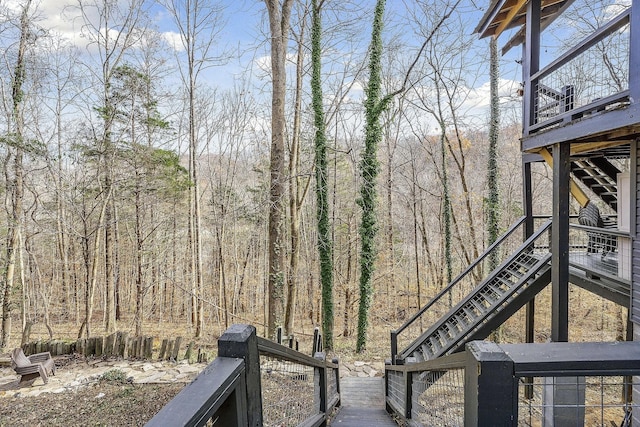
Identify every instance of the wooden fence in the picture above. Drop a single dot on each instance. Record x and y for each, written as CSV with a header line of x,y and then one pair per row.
x,y
118,344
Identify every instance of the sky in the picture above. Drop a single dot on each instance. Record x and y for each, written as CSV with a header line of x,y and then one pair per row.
x,y
243,35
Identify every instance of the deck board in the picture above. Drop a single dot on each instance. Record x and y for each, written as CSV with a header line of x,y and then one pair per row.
x,y
363,403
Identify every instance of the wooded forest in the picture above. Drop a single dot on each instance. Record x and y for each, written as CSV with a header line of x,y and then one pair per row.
x,y
159,169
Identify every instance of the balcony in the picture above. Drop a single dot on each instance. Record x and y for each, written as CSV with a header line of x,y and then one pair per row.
x,y
586,94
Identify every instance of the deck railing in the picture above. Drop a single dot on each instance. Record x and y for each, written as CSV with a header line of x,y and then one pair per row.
x,y
591,76
429,393
599,251
573,384
256,382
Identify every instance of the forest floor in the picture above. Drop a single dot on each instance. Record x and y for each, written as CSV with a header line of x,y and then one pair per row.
x,y
106,392
93,393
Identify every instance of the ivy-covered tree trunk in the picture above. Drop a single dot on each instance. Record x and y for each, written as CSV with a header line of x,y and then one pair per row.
x,y
492,202
493,213
15,185
446,213
369,168
324,232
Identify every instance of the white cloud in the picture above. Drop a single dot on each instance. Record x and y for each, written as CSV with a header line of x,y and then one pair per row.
x,y
611,11
174,40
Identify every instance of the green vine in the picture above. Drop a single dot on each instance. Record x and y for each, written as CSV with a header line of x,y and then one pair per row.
x,y
324,232
369,168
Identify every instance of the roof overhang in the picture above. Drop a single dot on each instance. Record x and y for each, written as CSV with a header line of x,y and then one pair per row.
x,y
502,15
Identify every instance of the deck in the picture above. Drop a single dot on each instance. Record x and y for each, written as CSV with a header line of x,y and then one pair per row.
x,y
363,403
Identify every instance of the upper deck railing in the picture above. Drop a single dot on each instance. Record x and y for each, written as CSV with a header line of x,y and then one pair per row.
x,y
592,76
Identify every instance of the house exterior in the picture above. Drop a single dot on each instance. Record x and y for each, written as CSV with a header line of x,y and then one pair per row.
x,y
580,111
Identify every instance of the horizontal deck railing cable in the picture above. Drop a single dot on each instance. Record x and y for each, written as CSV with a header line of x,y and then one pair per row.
x,y
592,76
256,382
506,250
573,384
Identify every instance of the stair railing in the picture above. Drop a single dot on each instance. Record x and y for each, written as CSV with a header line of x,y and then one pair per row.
x,y
256,382
448,290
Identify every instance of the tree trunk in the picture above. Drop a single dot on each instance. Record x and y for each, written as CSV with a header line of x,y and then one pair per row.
x,y
325,248
15,184
279,29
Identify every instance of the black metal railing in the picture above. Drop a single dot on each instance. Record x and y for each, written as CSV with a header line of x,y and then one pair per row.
x,y
573,384
599,250
256,382
505,250
590,77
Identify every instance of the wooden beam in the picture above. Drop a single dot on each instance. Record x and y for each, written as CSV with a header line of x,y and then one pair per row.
x,y
510,15
587,147
574,188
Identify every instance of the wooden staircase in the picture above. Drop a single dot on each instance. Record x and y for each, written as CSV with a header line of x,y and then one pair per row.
x,y
600,176
503,292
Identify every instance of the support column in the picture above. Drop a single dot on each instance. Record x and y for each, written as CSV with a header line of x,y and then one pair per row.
x,y
530,62
530,321
560,244
528,232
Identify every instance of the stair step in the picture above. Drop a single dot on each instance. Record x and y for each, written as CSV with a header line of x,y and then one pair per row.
x,y
470,315
478,306
426,351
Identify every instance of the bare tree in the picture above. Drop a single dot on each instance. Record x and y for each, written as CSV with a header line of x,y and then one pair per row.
x,y
279,12
198,22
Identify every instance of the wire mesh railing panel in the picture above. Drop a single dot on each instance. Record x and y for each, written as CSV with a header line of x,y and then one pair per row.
x,y
576,401
595,250
288,392
332,384
598,72
438,398
396,389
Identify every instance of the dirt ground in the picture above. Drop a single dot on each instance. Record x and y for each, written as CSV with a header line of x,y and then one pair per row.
x,y
99,404
92,393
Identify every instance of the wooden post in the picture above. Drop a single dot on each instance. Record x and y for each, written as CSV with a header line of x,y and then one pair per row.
x,y
187,354
320,383
163,349
176,348
98,346
169,350
91,346
490,389
241,341
109,345
148,348
560,244
120,346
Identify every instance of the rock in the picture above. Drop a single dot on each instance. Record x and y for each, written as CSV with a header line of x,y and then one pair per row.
x,y
100,395
362,375
147,367
367,369
188,369
373,373
358,363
